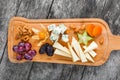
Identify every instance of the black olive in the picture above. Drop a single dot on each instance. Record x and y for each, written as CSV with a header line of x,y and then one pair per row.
x,y
49,50
42,49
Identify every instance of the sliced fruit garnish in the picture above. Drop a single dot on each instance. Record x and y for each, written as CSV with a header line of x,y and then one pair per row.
x,y
89,29
93,30
97,31
40,35
84,38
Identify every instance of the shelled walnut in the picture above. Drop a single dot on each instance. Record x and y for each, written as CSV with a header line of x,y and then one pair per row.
x,y
24,33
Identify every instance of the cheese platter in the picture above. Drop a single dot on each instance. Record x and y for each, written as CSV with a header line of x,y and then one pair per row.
x,y
84,41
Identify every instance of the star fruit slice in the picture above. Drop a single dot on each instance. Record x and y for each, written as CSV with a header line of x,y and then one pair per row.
x,y
84,38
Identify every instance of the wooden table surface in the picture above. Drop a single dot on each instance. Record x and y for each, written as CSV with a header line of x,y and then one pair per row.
x,y
109,10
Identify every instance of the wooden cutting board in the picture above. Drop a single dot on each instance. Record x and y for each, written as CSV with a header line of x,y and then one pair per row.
x,y
111,42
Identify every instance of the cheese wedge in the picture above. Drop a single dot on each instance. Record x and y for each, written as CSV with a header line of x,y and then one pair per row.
x,y
62,53
67,49
75,44
92,53
74,56
92,46
89,57
60,47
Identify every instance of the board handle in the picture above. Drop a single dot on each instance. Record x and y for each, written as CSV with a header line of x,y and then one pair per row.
x,y
114,42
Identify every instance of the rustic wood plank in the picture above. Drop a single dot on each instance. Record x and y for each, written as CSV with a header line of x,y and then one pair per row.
x,y
11,71
7,10
28,9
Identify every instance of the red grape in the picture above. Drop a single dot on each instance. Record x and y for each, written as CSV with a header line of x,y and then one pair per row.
x,y
15,48
32,52
23,50
28,57
22,44
19,57
27,46
20,49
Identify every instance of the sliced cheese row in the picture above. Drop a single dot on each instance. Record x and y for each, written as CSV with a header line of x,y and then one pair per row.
x,y
75,52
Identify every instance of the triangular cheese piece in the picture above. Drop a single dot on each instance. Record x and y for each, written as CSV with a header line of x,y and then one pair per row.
x,y
89,57
75,44
67,49
59,46
74,56
92,46
92,53
62,53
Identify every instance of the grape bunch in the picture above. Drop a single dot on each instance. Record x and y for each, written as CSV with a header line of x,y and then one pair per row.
x,y
24,51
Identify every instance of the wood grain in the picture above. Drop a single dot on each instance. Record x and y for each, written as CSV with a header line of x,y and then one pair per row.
x,y
7,10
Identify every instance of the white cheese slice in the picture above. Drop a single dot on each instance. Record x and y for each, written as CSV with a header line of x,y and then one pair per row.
x,y
92,53
62,53
67,49
89,57
51,27
74,56
78,50
59,46
92,46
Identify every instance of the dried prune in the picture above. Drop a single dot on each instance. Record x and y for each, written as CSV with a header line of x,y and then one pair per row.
x,y
46,48
50,50
43,48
